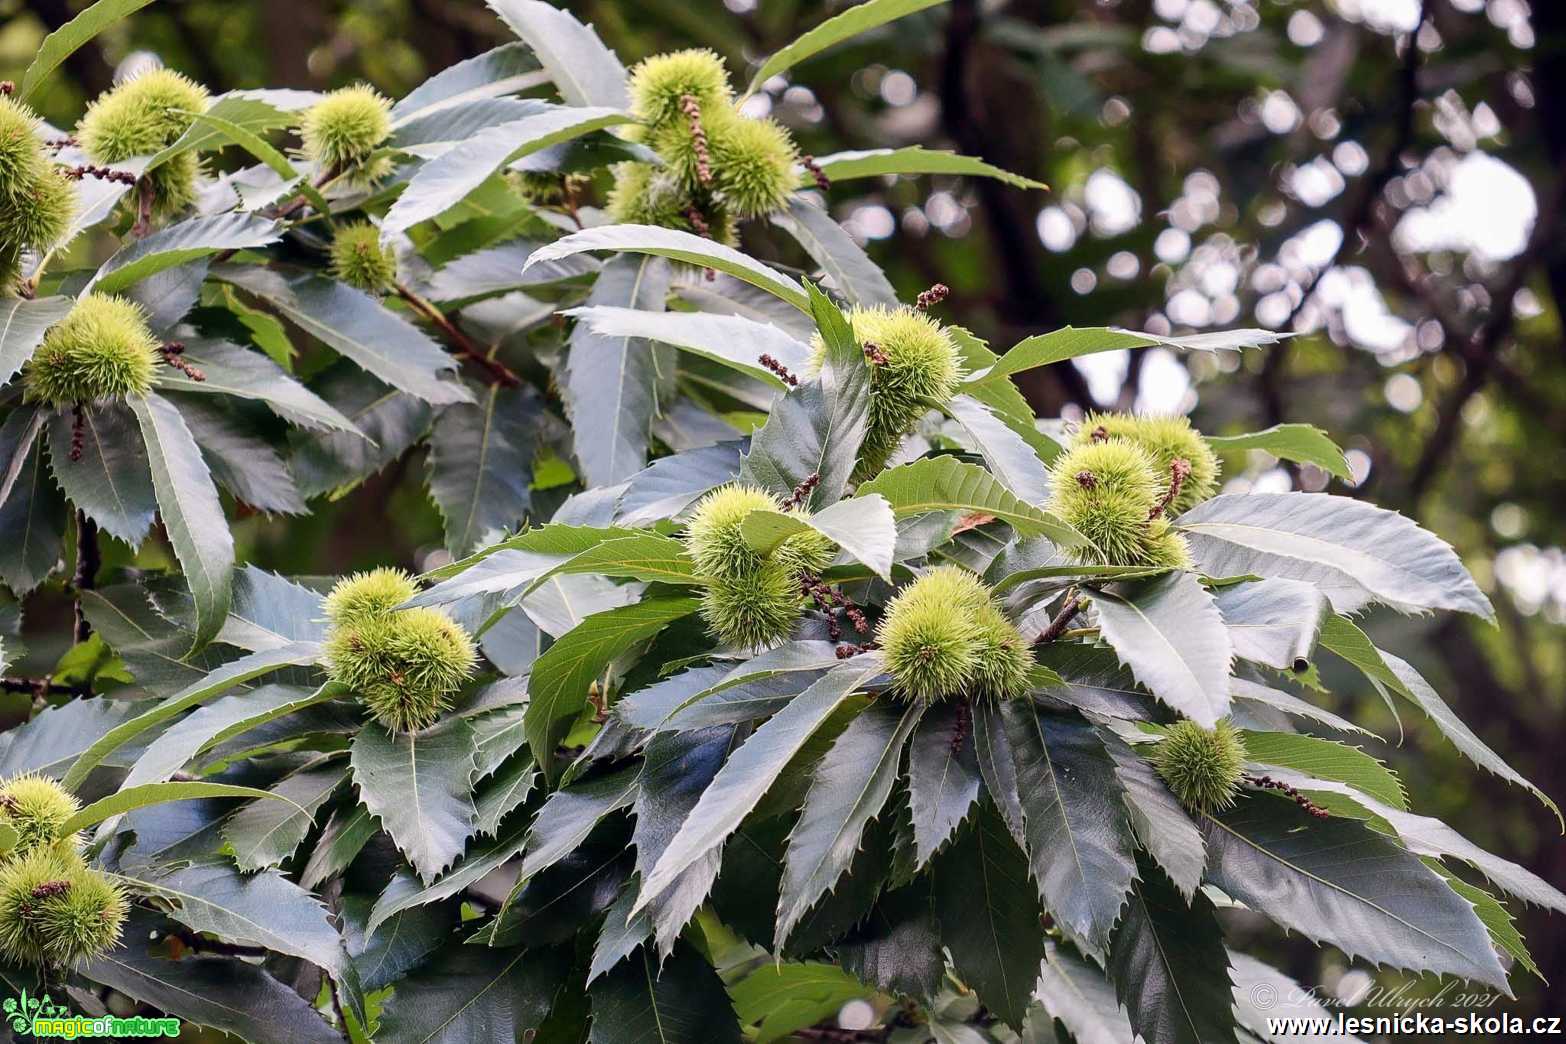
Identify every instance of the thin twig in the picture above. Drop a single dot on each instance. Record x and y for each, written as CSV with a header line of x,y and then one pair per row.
x,y
465,346
43,687
1057,626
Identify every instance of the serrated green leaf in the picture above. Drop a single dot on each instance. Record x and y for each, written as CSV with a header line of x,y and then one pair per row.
x,y
481,464
844,261
1169,965
420,787
464,994
111,479
222,679
406,892
850,787
989,915
34,513
678,1001
192,513
1327,759
1354,552
833,31
443,182
182,242
752,770
1071,343
583,69
228,369
128,799
1337,881
23,323
729,339
610,381
1161,825
943,777
264,834
252,112
1305,443
678,246
948,484
73,35
506,69
359,327
912,160
557,687
1170,633
1079,841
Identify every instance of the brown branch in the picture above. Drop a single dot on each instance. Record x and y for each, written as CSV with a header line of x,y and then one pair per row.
x,y
87,562
1057,626
465,346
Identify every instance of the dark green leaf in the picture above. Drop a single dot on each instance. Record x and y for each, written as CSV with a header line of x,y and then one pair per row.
x,y
182,242
851,785
1338,881
1079,840
834,31
229,995
33,518
242,462
1157,819
192,513
359,327
678,1001
610,380
228,369
481,463
1169,632
464,994
390,421
265,833
844,261
420,786
989,915
560,679
111,480
1169,965
943,776
66,40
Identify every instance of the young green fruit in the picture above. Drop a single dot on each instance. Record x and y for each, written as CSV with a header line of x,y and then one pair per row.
x,y
138,118
1165,440
369,595
56,911
750,600
22,159
38,808
753,164
101,350
359,260
645,195
914,368
341,132
405,667
1203,769
943,635
660,84
1109,491
38,214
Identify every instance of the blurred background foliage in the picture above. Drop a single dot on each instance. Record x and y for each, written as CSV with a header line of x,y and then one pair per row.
x,y
1383,177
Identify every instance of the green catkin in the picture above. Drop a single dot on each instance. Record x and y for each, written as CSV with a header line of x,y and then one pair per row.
x,y
914,368
404,665
1109,491
341,132
1202,768
750,600
56,911
1165,439
101,350
660,84
138,118
38,808
359,259
944,636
